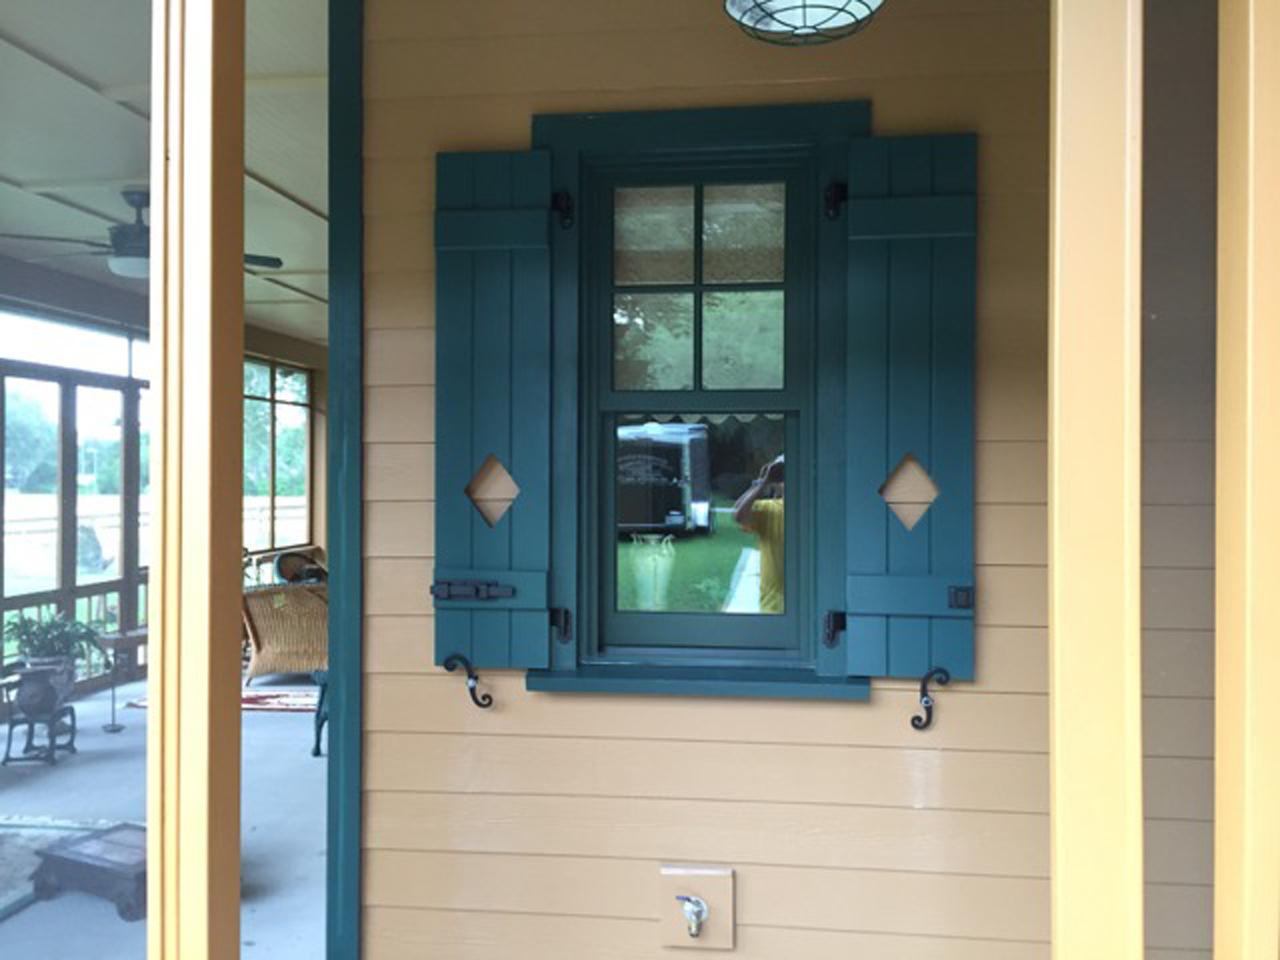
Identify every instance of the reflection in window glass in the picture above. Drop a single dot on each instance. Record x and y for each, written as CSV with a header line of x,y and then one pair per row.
x,y
653,235
292,384
293,463
700,515
743,233
32,410
653,341
99,484
742,340
257,473
257,379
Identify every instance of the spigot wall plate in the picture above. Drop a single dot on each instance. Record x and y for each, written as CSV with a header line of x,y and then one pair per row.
x,y
711,885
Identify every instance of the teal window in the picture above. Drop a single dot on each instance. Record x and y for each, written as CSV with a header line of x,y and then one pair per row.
x,y
720,364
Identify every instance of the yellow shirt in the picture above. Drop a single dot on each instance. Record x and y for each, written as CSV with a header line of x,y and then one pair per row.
x,y
768,523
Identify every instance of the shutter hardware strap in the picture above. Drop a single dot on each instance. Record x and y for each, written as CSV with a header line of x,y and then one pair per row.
x,y
472,590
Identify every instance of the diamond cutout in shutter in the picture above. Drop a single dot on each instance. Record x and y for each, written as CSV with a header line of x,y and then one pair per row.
x,y
492,490
909,491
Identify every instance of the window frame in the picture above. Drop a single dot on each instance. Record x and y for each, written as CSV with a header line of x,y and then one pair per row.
x,y
722,640
274,403
824,132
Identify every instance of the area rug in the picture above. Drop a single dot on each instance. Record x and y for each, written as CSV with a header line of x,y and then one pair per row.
x,y
273,701
20,838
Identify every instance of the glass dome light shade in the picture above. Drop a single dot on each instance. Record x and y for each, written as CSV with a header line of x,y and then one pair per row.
x,y
801,22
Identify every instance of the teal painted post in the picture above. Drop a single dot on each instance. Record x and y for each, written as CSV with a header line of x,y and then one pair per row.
x,y
912,224
345,476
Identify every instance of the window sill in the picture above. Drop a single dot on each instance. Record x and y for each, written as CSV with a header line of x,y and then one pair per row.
x,y
704,682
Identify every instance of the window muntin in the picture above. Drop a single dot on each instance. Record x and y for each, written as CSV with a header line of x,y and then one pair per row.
x,y
277,456
724,339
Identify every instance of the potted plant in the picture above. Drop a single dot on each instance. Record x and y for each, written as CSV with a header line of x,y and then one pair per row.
x,y
50,650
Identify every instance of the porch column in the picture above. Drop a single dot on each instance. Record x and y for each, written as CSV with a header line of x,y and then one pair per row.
x,y
1094,480
1247,832
197,311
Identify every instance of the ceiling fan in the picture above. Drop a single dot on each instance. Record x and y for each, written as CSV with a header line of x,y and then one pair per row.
x,y
128,247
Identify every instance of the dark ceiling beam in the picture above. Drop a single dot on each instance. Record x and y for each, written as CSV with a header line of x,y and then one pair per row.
x,y
31,288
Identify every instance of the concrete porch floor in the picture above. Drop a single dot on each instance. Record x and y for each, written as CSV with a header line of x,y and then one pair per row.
x,y
282,833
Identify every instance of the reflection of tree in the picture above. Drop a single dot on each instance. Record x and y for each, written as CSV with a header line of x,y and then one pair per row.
x,y
654,341
30,444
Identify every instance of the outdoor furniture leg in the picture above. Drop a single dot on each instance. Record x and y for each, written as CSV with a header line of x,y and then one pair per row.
x,y
321,677
8,747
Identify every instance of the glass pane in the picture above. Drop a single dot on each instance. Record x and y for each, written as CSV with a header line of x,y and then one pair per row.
x,y
293,468
146,412
653,341
257,379
99,484
31,414
63,345
257,475
743,230
140,353
700,516
292,384
653,235
742,340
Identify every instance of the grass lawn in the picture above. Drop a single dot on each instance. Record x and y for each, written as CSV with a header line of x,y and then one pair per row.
x,y
701,569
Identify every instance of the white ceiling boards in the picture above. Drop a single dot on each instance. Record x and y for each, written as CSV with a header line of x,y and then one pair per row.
x,y
74,77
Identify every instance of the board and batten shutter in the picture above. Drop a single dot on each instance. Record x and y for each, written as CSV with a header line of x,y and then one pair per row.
x,y
493,408
912,219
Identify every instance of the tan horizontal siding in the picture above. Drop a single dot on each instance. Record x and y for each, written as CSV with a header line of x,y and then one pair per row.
x,y
866,901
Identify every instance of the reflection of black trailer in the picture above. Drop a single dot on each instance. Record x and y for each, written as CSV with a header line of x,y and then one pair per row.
x,y
664,478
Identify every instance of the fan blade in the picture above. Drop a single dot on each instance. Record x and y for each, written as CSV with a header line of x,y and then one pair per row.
x,y
36,236
258,260
63,256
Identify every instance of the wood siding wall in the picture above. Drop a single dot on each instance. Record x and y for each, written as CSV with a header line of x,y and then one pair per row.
x,y
1178,465
535,829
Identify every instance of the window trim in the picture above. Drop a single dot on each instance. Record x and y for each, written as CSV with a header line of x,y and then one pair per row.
x,y
273,366
574,141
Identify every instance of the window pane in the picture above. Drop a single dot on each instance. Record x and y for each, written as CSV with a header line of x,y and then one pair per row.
x,y
99,484
145,413
63,345
696,531
257,475
743,230
293,468
653,341
292,385
31,414
140,360
742,340
257,379
653,235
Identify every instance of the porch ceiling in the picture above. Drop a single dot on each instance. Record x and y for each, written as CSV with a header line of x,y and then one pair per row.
x,y
74,78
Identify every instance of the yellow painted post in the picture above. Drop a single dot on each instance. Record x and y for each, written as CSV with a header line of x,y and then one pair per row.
x,y
197,310
1094,486
1247,831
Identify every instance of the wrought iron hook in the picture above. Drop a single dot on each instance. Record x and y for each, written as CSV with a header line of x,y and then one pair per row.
x,y
926,699
482,700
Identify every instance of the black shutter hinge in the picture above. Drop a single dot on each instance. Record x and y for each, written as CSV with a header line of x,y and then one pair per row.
x,y
960,598
472,590
834,197
562,205
833,624
562,623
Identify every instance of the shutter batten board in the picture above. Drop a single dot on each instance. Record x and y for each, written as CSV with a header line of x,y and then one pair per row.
x,y
493,317
910,387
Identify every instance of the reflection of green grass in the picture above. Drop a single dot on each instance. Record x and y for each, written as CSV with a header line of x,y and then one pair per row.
x,y
701,573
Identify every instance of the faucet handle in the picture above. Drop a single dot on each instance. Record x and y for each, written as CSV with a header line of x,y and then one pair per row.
x,y
695,913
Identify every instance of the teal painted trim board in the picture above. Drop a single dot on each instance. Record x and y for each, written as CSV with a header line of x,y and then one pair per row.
x,y
345,477
771,684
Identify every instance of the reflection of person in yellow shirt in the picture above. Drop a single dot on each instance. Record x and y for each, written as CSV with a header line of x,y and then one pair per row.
x,y
766,518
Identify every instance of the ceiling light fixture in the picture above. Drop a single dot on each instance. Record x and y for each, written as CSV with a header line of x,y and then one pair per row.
x,y
133,267
801,23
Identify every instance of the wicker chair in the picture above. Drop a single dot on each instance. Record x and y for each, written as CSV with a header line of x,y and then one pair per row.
x,y
288,628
